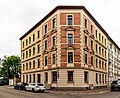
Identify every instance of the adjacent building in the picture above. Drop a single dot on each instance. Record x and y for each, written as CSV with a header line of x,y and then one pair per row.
x,y
66,49
113,61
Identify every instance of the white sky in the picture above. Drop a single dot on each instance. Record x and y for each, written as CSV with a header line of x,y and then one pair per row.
x,y
18,16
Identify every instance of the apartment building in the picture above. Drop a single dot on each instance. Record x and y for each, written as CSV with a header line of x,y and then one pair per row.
x,y
66,49
113,61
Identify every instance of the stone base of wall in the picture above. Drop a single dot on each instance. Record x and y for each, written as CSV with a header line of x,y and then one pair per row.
x,y
75,88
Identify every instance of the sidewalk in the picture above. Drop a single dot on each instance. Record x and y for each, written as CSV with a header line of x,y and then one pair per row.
x,y
83,92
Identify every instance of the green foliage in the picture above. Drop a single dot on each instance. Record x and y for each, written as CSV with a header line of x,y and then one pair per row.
x,y
10,67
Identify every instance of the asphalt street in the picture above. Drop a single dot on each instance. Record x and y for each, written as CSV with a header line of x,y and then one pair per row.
x,y
8,92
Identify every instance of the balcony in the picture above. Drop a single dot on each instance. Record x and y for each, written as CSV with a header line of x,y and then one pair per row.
x,y
45,36
85,31
92,36
86,48
45,51
54,48
53,31
92,51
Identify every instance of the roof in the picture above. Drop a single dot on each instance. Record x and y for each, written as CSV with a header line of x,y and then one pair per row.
x,y
63,7
69,7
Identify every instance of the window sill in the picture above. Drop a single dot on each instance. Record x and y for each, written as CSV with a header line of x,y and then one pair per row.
x,y
70,81
54,82
86,82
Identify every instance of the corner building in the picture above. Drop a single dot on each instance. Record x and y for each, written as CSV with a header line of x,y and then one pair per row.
x,y
60,50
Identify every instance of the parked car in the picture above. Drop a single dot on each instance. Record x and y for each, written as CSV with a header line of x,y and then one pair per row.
x,y
35,87
115,85
20,85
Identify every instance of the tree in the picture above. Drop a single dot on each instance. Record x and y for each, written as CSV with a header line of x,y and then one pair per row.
x,y
10,67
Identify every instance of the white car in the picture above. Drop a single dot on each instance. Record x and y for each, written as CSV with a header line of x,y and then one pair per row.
x,y
35,87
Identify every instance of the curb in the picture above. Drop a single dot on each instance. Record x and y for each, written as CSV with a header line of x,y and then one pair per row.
x,y
102,92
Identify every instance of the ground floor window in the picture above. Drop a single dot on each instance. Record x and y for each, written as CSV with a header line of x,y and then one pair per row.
x,y
26,78
85,76
23,78
54,76
38,78
29,78
103,78
99,78
70,76
46,77
33,78
96,77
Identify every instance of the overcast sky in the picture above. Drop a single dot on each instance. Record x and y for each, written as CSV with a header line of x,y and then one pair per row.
x,y
18,16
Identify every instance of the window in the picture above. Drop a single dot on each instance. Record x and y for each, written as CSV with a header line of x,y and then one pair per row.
x,y
46,28
54,76
46,44
26,78
92,60
38,48
29,65
33,50
26,42
96,48
86,23
54,23
26,66
103,78
23,56
91,44
33,78
100,64
33,37
96,77
99,50
99,37
23,78
91,29
70,76
69,17
23,44
85,76
70,38
86,40
103,52
105,41
99,78
96,33
53,40
29,52
70,57
38,78
85,58
23,67
102,39
45,60
38,34
105,66
53,58
110,46
26,54
38,63
33,64
29,40
96,63
46,77
29,78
